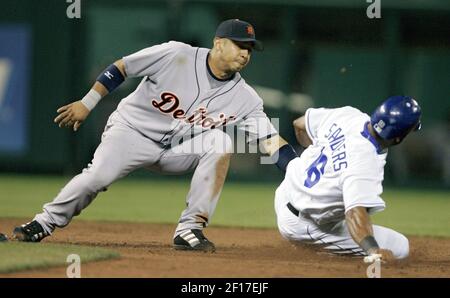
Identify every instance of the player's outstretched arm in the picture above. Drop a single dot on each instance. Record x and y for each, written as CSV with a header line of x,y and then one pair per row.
x,y
273,144
279,150
300,132
76,112
360,228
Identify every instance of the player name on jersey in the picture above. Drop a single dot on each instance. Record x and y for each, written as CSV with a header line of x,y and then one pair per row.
x,y
336,141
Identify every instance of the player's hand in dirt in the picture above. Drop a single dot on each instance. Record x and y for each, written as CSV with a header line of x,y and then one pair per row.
x,y
386,254
72,114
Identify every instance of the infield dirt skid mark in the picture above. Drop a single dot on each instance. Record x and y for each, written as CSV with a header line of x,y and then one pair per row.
x,y
146,251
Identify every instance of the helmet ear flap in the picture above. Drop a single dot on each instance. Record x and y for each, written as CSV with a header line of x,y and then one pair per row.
x,y
418,126
396,117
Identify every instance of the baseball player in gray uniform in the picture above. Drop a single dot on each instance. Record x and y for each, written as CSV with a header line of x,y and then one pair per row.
x,y
172,123
330,191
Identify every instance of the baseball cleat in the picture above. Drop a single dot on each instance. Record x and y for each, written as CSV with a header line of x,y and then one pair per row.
x,y
3,237
193,240
30,232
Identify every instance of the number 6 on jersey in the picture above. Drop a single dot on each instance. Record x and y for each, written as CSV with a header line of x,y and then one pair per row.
x,y
315,170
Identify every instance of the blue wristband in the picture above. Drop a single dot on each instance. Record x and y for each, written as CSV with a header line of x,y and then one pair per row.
x,y
283,156
111,78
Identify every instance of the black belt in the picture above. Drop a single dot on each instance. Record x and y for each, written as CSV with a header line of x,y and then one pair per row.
x,y
293,210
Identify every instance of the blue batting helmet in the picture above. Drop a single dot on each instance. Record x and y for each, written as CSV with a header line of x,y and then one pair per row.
x,y
396,117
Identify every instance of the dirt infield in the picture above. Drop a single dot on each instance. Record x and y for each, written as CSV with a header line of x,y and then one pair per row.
x,y
241,252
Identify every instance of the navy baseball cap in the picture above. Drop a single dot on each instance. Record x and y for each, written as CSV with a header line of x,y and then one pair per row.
x,y
238,30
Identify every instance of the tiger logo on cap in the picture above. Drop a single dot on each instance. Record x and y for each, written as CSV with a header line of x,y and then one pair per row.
x,y
250,30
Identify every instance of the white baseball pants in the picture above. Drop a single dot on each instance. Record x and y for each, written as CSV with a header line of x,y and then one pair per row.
x,y
334,238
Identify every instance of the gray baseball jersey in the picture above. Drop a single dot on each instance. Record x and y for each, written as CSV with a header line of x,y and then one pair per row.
x,y
177,97
179,94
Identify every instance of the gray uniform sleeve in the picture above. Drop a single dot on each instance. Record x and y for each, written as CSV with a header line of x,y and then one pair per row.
x,y
149,61
257,125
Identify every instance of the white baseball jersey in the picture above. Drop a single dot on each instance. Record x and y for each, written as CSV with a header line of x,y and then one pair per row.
x,y
179,96
342,169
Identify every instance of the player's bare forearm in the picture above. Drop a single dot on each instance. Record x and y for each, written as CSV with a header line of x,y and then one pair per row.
x,y
358,223
76,112
300,132
280,151
360,228
100,89
121,66
272,145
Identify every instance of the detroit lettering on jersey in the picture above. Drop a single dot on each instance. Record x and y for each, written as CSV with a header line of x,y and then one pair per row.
x,y
169,105
336,142
177,98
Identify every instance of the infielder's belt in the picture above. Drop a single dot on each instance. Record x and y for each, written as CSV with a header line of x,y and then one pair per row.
x,y
293,210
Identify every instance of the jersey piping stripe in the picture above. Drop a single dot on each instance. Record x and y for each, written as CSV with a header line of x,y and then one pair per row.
x,y
308,129
196,98
367,205
223,92
218,96
198,90
196,79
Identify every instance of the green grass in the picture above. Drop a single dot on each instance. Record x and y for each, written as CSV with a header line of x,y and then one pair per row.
x,y
15,256
248,205
416,212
